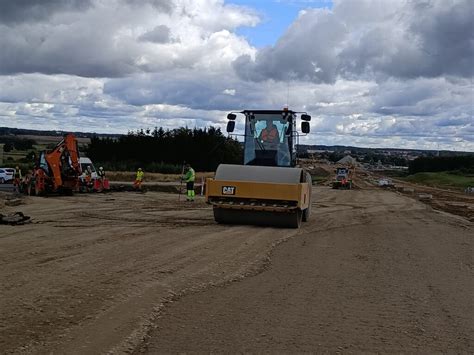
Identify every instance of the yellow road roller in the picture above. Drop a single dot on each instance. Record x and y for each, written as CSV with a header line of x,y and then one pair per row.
x,y
268,189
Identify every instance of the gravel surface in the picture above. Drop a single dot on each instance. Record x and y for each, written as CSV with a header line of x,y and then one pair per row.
x,y
128,272
373,272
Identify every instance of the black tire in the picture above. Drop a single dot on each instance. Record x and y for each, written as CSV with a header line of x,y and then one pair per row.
x,y
296,219
2,180
66,192
307,212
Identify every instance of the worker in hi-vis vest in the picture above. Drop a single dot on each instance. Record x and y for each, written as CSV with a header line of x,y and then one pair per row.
x,y
189,178
139,179
270,133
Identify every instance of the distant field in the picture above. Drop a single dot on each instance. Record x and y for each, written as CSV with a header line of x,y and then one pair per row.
x,y
51,139
442,179
43,143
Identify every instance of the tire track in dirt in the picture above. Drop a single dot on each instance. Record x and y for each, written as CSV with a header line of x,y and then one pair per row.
x,y
88,289
106,279
384,277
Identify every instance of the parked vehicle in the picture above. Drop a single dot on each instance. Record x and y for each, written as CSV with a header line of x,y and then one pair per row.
x,y
89,179
85,164
385,182
6,175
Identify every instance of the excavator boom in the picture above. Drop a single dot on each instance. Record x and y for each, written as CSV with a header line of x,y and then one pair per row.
x,y
65,156
57,170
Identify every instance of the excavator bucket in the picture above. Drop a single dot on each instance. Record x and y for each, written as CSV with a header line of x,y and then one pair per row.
x,y
261,195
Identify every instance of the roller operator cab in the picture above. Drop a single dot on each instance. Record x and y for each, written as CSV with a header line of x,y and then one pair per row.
x,y
268,189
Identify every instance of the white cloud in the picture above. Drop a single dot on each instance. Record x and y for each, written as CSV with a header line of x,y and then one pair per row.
x,y
230,92
371,39
371,73
120,37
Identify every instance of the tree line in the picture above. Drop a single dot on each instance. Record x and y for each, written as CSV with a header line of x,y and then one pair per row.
x,y
12,142
463,164
165,151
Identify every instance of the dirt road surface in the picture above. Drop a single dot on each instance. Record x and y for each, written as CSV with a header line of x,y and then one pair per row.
x,y
127,272
6,187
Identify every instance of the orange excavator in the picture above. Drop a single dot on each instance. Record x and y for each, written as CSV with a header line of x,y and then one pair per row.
x,y
58,170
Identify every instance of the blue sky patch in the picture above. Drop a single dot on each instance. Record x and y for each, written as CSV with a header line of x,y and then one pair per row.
x,y
276,16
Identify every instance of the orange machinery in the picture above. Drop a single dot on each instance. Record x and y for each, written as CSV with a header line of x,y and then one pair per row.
x,y
57,170
343,179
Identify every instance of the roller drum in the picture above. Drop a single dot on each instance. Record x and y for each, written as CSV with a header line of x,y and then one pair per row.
x,y
290,219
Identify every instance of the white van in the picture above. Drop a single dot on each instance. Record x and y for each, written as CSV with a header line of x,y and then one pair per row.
x,y
85,162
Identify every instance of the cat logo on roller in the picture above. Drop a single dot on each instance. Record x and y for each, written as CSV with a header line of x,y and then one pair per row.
x,y
269,188
228,190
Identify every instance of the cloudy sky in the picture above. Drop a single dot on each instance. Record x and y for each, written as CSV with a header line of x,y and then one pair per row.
x,y
378,73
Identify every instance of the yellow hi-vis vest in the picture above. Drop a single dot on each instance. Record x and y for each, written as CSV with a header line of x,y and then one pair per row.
x,y
190,175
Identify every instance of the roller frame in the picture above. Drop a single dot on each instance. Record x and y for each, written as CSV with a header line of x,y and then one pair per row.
x,y
295,196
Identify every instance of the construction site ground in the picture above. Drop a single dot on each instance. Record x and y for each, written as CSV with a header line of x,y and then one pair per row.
x,y
372,271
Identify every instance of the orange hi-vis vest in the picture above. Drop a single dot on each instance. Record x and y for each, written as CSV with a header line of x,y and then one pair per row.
x,y
269,135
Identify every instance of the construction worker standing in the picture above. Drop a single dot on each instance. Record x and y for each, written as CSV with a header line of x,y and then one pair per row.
x,y
89,182
189,178
101,173
17,179
99,182
138,180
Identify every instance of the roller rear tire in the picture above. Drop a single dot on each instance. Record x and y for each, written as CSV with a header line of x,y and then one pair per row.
x,y
307,212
